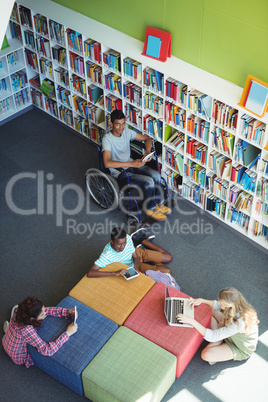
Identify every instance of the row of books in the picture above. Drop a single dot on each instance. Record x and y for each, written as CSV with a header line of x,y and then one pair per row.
x,y
132,93
174,160
25,16
37,98
193,191
244,177
81,124
239,218
261,208
112,59
195,172
252,129
78,84
223,141
176,91
64,96
31,59
95,114
175,115
262,189
51,107
75,41
133,69
3,85
43,46
94,73
113,83
77,63
174,180
220,164
200,103
224,115
240,199
247,154
217,185
197,150
153,80
260,230
40,24
57,32
15,30
176,140
153,127
80,105
198,127
66,115
112,103
215,205
153,103
96,134
59,54
18,80
12,58
47,88
22,97
95,94
133,115
15,13
29,39
5,105
93,50
46,67
62,76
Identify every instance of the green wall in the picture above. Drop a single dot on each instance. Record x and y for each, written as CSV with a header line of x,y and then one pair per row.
x,y
228,38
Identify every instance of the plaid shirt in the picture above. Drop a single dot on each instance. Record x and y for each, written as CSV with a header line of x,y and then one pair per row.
x,y
16,338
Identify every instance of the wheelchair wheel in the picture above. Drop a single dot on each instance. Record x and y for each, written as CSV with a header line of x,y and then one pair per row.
x,y
102,189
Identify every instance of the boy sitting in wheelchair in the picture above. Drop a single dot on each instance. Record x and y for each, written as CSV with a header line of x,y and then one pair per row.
x,y
116,154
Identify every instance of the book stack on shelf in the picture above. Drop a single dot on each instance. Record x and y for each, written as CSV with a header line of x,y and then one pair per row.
x,y
212,149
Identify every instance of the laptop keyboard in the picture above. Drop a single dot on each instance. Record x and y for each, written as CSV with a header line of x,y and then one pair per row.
x,y
178,308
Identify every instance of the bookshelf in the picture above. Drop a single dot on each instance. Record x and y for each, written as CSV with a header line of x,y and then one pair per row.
x,y
79,70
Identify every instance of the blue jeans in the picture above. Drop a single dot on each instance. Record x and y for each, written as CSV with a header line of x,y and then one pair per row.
x,y
148,180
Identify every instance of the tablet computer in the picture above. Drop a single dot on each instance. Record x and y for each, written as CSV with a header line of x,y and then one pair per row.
x,y
147,157
131,273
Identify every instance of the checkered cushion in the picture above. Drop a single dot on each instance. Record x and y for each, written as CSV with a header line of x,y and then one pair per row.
x,y
148,320
67,364
112,296
129,368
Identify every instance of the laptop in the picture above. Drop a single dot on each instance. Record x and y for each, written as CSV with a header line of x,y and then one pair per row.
x,y
175,306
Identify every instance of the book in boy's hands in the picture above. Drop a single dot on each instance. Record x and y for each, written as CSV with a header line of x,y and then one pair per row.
x,y
131,273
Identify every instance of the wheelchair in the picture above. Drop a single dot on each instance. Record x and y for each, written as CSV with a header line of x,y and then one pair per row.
x,y
106,192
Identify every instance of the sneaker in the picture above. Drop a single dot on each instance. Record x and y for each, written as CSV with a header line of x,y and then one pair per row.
x,y
5,326
163,209
156,214
138,236
150,238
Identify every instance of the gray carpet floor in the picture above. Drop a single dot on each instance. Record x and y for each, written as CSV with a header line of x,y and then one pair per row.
x,y
51,233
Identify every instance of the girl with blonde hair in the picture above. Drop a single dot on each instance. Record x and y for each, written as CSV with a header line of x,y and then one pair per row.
x,y
234,327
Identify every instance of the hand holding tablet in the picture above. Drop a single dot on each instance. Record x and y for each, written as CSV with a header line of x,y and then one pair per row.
x,y
145,159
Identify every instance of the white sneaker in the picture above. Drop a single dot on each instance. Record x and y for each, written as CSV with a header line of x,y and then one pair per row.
x,y
5,326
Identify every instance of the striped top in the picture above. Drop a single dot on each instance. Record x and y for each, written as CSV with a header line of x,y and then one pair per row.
x,y
109,255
